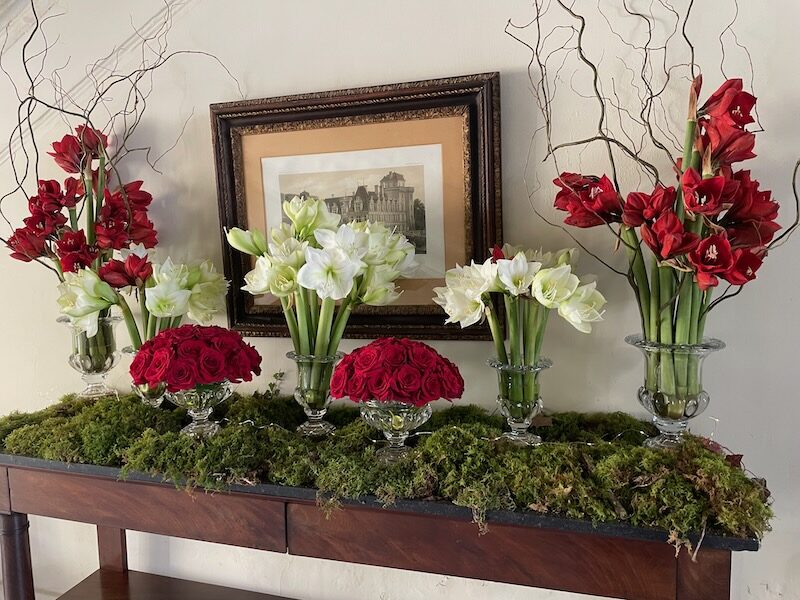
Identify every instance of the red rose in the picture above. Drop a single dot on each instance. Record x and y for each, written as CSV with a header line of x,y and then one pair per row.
x,y
339,381
393,355
210,365
158,366
358,388
182,375
366,359
453,382
422,356
667,237
192,348
406,382
380,385
590,200
139,366
432,387
711,257
645,208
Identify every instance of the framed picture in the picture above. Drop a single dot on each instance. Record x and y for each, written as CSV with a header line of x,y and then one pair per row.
x,y
421,157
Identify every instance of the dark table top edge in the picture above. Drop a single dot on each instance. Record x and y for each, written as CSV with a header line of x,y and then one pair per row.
x,y
418,507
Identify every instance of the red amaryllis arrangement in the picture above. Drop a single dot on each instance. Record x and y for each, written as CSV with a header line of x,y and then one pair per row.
x,y
396,370
713,226
191,356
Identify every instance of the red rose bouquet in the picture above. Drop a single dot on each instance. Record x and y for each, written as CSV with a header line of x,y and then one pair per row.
x,y
396,370
191,356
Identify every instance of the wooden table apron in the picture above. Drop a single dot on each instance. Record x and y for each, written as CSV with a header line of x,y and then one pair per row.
x,y
616,561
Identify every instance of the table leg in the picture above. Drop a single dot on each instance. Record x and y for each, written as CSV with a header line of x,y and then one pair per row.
x,y
112,549
16,557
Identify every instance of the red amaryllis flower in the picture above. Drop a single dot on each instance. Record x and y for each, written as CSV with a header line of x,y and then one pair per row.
x,y
497,254
702,196
711,257
745,264
142,230
73,191
729,144
731,103
27,244
750,220
50,198
134,271
43,223
134,196
111,229
645,208
589,200
74,252
92,140
667,237
68,154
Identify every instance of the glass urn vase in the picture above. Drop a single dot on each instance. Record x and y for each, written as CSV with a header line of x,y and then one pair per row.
x,y
673,386
93,357
313,391
519,399
396,420
200,402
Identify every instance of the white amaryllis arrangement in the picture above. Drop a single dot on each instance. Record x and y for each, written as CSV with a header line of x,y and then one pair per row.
x,y
321,270
165,292
531,283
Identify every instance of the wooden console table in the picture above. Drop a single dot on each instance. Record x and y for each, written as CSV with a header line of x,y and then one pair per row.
x,y
612,560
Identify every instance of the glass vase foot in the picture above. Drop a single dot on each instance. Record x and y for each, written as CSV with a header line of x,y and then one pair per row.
x,y
201,429
522,438
96,387
392,454
316,428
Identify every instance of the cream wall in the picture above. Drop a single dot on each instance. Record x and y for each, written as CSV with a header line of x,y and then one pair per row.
x,y
277,48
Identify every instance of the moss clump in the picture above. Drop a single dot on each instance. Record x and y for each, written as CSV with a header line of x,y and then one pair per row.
x,y
593,466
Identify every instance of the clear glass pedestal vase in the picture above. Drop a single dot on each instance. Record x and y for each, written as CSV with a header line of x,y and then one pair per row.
x,y
153,396
199,403
519,398
93,357
673,390
313,391
396,420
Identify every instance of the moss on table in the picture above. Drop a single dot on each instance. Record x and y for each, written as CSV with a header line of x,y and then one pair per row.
x,y
593,466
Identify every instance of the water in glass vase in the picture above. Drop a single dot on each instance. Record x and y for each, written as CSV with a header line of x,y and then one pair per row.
x,y
673,391
93,357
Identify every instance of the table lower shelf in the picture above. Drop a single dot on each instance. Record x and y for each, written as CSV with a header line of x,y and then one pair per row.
x,y
135,585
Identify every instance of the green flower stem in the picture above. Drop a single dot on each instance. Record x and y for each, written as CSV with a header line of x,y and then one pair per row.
x,y
291,323
313,311
515,345
151,326
497,333
89,205
667,371
339,324
682,332
688,150
143,309
302,322
101,185
321,346
703,299
130,322
176,321
73,219
636,261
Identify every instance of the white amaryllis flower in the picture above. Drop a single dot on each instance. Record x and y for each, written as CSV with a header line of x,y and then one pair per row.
x,y
463,308
517,274
170,271
83,296
331,273
583,308
289,252
257,280
309,214
353,243
272,277
553,286
207,290
168,298
474,280
378,286
249,242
